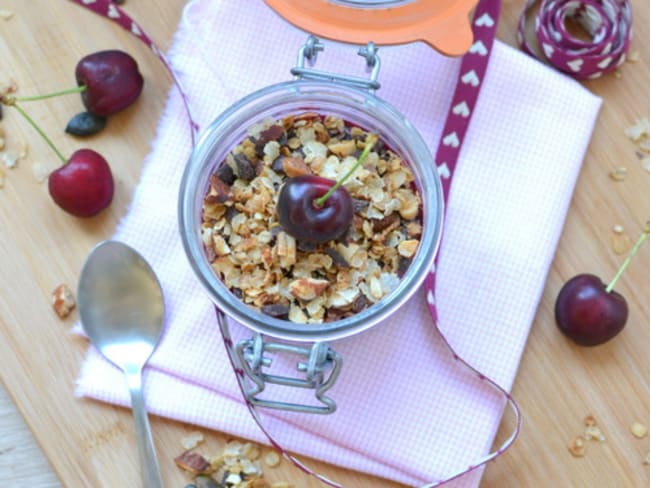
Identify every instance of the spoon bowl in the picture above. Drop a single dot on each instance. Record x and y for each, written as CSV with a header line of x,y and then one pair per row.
x,y
122,311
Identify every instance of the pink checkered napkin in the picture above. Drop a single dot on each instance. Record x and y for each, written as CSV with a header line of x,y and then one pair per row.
x,y
406,410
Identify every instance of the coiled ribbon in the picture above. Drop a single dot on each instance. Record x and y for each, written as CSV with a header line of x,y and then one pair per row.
x,y
608,24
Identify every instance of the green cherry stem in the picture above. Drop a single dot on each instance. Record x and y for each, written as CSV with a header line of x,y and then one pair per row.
x,y
628,259
77,89
370,143
37,128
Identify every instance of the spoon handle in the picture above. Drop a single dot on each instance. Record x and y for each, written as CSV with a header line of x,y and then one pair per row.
x,y
146,449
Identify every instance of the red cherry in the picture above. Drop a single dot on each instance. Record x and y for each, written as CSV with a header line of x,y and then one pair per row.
x,y
587,313
84,185
299,215
112,81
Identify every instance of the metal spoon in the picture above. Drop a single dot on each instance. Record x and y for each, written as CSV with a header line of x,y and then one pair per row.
x,y
122,309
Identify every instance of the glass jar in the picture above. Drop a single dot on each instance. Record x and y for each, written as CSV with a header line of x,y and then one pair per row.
x,y
338,96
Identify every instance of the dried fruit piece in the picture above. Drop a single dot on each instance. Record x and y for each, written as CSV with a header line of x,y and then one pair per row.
x,y
85,124
192,462
638,430
63,300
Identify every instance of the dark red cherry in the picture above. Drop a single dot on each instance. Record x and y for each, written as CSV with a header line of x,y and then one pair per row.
x,y
84,185
112,81
587,313
302,218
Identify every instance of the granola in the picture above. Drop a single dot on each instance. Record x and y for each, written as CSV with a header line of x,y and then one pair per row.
x,y
266,267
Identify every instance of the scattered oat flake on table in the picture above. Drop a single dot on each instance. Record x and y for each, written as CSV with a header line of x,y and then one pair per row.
x,y
645,163
639,130
272,459
633,56
40,171
6,14
10,159
192,440
63,300
638,430
2,178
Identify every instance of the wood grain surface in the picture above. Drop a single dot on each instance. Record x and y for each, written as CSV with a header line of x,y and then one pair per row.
x,y
87,444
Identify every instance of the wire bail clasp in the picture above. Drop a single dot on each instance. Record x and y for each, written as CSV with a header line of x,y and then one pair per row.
x,y
309,52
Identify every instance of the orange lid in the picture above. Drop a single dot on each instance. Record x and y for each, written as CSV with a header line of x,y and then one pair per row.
x,y
443,24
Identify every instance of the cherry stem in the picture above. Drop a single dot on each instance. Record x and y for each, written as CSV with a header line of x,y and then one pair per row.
x,y
370,142
77,89
39,130
628,259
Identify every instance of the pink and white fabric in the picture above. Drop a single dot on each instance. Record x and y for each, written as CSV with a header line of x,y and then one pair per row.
x,y
407,410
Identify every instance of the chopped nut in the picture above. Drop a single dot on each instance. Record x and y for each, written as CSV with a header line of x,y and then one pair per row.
x,y
408,248
592,432
192,440
295,167
272,459
618,174
621,243
192,462
638,430
633,56
307,288
590,420
63,300
646,461
577,447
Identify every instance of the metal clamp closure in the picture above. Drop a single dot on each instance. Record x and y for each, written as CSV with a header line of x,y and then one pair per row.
x,y
309,51
320,360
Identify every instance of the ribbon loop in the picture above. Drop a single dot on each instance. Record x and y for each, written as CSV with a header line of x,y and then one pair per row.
x,y
608,24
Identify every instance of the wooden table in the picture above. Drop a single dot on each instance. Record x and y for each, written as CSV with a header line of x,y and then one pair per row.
x,y
85,442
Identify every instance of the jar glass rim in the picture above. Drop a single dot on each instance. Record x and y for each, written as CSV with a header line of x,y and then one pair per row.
x,y
362,108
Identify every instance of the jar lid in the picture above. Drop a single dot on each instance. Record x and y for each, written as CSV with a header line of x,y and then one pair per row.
x,y
443,24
